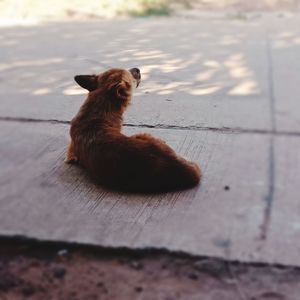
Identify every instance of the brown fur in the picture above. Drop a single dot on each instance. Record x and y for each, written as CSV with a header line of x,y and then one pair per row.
x,y
138,163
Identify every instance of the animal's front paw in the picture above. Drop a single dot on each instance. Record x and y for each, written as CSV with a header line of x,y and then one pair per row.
x,y
71,160
142,136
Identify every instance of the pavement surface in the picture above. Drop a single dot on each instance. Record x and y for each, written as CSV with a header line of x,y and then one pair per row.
x,y
222,91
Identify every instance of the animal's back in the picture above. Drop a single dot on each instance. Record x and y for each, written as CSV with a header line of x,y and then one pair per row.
x,y
144,165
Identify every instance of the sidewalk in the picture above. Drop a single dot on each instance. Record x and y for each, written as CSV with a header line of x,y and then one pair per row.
x,y
224,92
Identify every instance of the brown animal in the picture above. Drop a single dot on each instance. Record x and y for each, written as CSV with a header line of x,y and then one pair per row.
x,y
138,163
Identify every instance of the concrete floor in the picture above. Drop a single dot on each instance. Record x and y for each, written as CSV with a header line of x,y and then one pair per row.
x,y
220,90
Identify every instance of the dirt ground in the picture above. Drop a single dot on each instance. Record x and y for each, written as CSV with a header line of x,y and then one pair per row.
x,y
35,270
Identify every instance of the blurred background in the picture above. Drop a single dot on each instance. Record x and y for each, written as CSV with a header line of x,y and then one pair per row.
x,y
79,9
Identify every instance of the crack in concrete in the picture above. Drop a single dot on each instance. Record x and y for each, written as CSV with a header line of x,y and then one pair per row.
x,y
30,120
225,130
269,198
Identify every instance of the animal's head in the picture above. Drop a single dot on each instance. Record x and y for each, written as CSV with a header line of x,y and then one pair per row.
x,y
118,84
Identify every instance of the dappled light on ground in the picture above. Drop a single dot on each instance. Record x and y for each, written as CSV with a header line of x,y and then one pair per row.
x,y
214,64
286,39
73,90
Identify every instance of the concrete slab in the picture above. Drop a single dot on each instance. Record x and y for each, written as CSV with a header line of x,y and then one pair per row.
x,y
284,231
206,73
44,198
285,55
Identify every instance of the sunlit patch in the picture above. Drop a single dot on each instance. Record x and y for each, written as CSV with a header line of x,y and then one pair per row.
x,y
297,41
234,60
165,92
286,39
245,88
151,52
30,63
206,75
174,85
17,22
170,68
211,64
141,55
74,90
43,91
174,61
239,72
124,59
148,68
205,91
286,34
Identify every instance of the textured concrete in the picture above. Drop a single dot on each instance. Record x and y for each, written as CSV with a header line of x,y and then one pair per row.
x,y
285,56
207,73
43,197
284,230
223,92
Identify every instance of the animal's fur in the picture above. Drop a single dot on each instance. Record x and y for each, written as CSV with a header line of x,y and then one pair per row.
x,y
138,163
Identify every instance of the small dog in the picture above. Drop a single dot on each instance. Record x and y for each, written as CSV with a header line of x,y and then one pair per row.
x,y
138,163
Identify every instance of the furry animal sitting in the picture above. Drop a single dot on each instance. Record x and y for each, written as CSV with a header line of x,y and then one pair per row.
x,y
137,163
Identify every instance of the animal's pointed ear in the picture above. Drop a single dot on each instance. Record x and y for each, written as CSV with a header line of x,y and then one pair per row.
x,y
122,90
88,82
